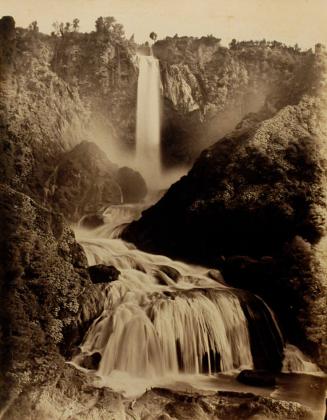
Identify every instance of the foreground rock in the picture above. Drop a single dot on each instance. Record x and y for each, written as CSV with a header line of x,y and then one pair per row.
x,y
259,378
259,194
43,276
73,396
164,404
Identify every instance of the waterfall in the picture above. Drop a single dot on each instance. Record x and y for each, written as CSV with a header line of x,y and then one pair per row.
x,y
148,158
165,318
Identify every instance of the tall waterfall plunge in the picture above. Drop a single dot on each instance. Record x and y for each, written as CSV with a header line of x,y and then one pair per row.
x,y
148,159
164,318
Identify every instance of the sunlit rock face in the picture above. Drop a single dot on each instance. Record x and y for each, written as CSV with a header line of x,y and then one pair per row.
x,y
40,114
85,182
208,88
258,192
102,67
57,91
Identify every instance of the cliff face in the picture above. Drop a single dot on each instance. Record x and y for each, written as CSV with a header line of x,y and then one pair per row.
x,y
254,204
102,67
84,86
208,88
40,114
57,91
43,276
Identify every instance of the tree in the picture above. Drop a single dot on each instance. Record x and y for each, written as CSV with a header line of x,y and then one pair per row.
x,y
232,44
153,36
61,28
55,26
33,26
67,27
118,31
297,48
108,23
99,25
76,25
104,24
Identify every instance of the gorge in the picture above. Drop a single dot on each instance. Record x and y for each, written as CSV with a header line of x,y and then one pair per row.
x,y
126,297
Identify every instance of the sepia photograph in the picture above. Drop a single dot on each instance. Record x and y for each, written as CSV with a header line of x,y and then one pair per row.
x,y
163,209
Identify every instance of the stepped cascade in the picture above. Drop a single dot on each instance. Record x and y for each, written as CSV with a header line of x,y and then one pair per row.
x,y
148,158
164,317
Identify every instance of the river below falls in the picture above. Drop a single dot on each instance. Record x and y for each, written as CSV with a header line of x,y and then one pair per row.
x,y
168,324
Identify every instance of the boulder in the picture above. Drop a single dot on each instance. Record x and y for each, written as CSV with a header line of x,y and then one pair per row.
x,y
259,378
83,182
132,184
221,405
103,273
92,361
170,272
92,221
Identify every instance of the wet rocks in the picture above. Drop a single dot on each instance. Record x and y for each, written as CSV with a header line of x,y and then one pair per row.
x,y
259,378
170,272
224,404
91,362
132,184
92,221
103,273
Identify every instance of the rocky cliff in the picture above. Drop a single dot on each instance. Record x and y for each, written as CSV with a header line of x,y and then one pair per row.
x,y
57,91
254,204
208,88
87,82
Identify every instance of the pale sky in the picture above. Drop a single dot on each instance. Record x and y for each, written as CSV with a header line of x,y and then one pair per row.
x,y
289,21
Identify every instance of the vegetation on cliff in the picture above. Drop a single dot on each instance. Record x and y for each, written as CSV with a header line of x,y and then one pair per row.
x,y
209,88
43,274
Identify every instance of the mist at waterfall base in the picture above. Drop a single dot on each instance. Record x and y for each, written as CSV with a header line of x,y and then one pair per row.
x,y
145,157
169,324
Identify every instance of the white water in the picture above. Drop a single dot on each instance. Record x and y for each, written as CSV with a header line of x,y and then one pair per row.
x,y
162,319
148,159
297,362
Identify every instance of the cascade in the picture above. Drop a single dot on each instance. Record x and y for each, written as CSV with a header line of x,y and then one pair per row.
x,y
166,318
148,158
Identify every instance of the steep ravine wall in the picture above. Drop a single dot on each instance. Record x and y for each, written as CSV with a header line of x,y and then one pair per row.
x,y
84,86
208,88
57,92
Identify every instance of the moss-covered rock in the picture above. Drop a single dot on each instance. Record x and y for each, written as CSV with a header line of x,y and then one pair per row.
x,y
43,275
85,182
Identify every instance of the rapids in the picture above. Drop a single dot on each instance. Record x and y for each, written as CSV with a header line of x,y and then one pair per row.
x,y
163,318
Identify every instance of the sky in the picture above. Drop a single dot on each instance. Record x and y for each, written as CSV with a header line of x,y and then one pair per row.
x,y
290,21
